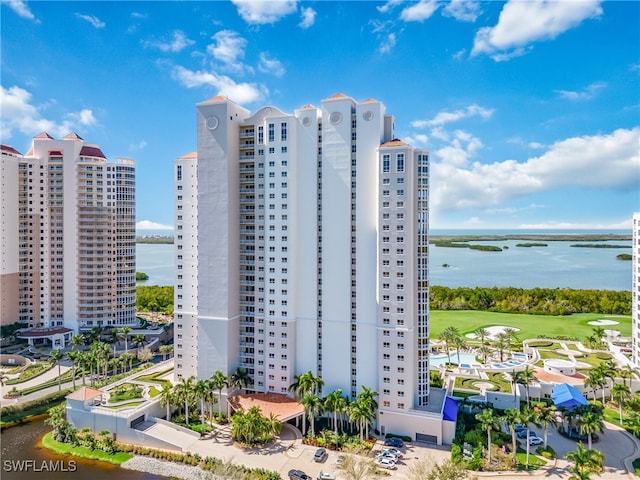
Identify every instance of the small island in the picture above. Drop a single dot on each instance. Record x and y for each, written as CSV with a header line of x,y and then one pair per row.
x,y
155,239
533,244
141,276
598,245
624,256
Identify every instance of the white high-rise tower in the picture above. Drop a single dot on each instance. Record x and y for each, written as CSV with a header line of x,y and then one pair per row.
x,y
301,245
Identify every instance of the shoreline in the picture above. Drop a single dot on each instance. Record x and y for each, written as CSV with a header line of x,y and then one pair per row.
x,y
165,468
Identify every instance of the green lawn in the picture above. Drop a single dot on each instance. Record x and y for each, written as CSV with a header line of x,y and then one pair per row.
x,y
531,326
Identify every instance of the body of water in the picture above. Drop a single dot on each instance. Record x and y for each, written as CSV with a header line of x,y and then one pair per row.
x,y
24,458
557,265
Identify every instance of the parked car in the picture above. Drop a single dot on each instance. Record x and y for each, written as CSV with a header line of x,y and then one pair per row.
x,y
298,475
326,476
394,442
535,441
523,433
320,455
518,427
387,463
340,460
392,451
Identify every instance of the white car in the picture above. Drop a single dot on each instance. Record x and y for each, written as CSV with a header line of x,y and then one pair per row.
x,y
535,441
326,476
387,463
392,451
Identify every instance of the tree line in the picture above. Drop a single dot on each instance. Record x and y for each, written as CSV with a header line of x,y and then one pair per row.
x,y
539,301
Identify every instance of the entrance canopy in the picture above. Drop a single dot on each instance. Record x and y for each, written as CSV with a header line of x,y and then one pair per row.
x,y
564,395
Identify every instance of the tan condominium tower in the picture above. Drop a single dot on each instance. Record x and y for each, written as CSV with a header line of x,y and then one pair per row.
x,y
301,245
68,239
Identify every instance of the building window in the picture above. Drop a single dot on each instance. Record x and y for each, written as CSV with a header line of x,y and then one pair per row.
x,y
283,131
179,172
272,132
386,162
260,134
400,163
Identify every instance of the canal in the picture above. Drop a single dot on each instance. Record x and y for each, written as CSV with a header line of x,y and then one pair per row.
x,y
24,458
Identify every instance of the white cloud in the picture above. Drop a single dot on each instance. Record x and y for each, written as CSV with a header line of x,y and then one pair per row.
x,y
93,20
262,12
462,147
419,140
149,225
536,145
19,114
447,117
178,42
138,146
388,6
420,11
388,42
523,22
21,9
603,161
228,48
623,225
270,65
308,17
463,10
238,92
586,94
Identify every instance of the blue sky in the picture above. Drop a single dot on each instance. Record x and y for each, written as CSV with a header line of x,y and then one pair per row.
x,y
530,109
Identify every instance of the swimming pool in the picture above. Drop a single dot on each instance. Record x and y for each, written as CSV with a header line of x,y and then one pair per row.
x,y
465,358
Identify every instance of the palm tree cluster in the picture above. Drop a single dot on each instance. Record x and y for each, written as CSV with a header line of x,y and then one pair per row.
x,y
502,343
361,412
585,462
252,428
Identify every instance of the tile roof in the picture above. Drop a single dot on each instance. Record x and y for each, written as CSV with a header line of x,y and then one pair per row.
x,y
338,95
280,405
73,136
87,151
308,106
55,153
44,135
218,98
9,149
370,100
84,393
39,332
395,143
189,155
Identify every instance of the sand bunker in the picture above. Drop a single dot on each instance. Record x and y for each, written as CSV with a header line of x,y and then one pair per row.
x,y
603,322
493,331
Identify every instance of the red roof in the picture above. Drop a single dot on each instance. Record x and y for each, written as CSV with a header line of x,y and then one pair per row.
x,y
307,107
42,332
9,149
338,95
84,393
73,136
44,135
189,156
91,152
55,153
394,143
218,98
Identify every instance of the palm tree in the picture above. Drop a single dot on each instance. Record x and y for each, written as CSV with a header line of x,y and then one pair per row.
x,y
621,393
166,397
528,416
200,390
74,356
482,334
367,397
239,379
488,422
333,403
594,381
512,416
219,381
359,413
56,359
184,391
124,331
139,340
448,335
547,416
459,343
632,423
585,462
77,341
590,423
485,352
511,335
627,372
313,406
501,344
165,350
525,377
211,398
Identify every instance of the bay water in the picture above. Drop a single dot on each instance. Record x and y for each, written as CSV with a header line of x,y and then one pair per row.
x,y
558,265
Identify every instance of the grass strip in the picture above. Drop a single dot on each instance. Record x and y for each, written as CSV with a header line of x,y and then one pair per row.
x,y
83,452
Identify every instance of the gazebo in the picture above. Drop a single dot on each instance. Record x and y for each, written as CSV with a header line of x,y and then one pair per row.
x,y
567,396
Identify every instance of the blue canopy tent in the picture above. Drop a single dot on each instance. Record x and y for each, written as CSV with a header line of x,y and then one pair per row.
x,y
564,395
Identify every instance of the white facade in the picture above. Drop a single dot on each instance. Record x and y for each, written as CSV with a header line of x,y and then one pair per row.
x,y
635,291
68,236
308,255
